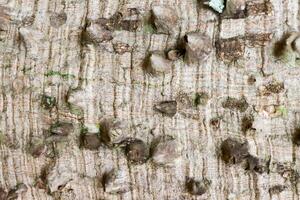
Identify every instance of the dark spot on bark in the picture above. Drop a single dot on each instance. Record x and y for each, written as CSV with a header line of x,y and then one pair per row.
x,y
184,100
36,147
146,66
177,51
40,184
201,98
114,182
296,136
174,54
58,19
116,22
235,9
295,44
105,23
251,80
238,14
128,25
13,144
280,46
253,8
28,20
156,64
18,189
149,25
198,47
254,164
237,104
294,177
61,128
61,187
233,151
104,129
42,181
288,173
231,49
276,189
164,19
195,187
215,123
88,140
48,102
121,48
116,18
134,11
164,150
4,13
168,108
91,141
96,33
136,151
107,177
3,194
258,40
247,122
273,87
12,195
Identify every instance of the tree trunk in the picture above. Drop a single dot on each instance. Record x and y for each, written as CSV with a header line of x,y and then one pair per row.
x,y
63,81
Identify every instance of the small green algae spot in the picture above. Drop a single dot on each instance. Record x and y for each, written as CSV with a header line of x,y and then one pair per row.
x,y
76,110
83,129
58,73
200,98
148,28
48,102
2,138
282,111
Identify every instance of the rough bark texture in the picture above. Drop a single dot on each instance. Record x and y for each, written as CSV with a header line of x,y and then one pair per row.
x,y
43,51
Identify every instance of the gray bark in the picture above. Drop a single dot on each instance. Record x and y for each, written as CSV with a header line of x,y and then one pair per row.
x,y
43,52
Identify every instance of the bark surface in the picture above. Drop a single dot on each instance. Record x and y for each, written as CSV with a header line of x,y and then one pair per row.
x,y
50,72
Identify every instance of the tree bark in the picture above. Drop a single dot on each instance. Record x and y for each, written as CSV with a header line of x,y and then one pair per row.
x,y
44,54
